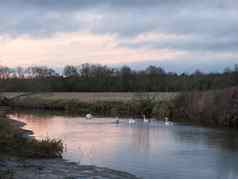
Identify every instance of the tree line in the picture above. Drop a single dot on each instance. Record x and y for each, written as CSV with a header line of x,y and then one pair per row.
x,y
89,77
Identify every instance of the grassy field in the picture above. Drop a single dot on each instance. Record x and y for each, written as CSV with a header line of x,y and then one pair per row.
x,y
96,96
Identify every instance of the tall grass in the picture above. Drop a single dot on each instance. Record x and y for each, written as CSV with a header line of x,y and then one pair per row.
x,y
137,105
215,108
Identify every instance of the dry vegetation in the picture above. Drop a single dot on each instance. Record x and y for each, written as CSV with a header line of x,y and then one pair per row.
x,y
105,104
215,108
96,96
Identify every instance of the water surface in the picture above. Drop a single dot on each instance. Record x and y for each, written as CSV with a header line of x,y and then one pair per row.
x,y
150,150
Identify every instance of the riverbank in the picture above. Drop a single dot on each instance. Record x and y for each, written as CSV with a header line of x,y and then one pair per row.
x,y
56,169
41,159
100,104
216,108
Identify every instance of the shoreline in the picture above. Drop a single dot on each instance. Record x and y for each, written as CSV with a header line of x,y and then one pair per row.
x,y
18,168
19,126
106,104
212,108
57,168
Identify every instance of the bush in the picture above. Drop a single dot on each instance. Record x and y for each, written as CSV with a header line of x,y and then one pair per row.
x,y
163,109
217,108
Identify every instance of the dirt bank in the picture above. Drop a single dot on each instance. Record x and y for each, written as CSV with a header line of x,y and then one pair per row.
x,y
56,169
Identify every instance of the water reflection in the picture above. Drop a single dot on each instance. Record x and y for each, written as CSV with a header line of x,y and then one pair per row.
x,y
140,138
223,143
151,150
222,139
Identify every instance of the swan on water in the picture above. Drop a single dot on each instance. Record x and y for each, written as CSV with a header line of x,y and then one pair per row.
x,y
132,121
145,120
167,122
89,116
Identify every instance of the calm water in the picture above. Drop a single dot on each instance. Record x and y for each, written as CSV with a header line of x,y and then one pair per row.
x,y
152,151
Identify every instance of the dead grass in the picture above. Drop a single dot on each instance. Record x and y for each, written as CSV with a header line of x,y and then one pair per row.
x,y
90,97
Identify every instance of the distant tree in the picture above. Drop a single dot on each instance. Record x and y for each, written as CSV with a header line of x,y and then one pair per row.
x,y
40,72
70,71
91,77
125,78
5,72
197,73
101,71
125,71
227,70
84,70
155,70
52,73
20,72
236,68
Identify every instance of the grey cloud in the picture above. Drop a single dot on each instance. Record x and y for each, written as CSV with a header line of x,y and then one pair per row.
x,y
75,4
178,65
124,17
192,43
186,21
211,24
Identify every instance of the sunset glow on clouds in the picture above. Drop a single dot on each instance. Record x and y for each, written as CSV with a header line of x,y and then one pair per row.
x,y
75,48
177,34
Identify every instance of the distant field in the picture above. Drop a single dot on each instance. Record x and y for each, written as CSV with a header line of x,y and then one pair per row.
x,y
96,96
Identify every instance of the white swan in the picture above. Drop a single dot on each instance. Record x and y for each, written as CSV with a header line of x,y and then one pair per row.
x,y
132,121
167,122
145,120
89,116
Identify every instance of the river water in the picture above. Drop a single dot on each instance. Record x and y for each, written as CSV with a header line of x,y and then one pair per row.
x,y
149,150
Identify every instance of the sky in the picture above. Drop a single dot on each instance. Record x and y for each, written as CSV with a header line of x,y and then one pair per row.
x,y
179,35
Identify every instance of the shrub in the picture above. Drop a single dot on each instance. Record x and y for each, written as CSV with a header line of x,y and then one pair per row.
x,y
163,109
209,108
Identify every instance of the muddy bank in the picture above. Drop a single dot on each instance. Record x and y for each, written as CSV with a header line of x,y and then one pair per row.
x,y
56,169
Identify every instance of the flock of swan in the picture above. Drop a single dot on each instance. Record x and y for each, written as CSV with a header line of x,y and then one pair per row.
x,y
133,121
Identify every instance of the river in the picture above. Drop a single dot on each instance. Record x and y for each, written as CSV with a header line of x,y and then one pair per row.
x,y
149,150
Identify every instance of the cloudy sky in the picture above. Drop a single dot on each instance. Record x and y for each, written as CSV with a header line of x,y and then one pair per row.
x,y
179,35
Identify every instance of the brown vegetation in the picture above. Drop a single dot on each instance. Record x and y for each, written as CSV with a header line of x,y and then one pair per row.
x,y
216,108
107,104
91,97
